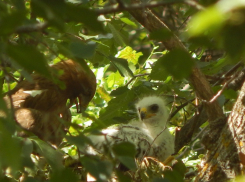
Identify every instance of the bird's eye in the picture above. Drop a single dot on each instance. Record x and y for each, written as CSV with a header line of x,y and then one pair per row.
x,y
154,108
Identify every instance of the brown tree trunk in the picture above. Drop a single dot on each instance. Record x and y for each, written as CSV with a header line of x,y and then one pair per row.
x,y
225,144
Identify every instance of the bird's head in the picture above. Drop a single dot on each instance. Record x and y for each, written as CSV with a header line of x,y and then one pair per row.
x,y
152,110
80,82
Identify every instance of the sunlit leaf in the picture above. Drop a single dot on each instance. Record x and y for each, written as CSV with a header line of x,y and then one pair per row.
x,y
114,79
128,22
130,54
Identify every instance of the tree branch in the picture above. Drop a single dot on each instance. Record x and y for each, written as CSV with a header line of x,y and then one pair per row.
x,y
32,28
202,87
122,7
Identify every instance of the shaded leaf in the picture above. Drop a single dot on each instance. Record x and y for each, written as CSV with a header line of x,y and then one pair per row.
x,y
122,66
53,157
9,22
77,49
29,58
177,173
64,175
101,170
125,152
81,50
84,15
176,62
117,35
161,34
119,91
10,153
79,140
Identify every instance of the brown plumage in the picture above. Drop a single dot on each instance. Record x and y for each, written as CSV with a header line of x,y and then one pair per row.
x,y
41,104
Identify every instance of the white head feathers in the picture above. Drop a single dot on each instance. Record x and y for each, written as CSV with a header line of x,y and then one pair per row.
x,y
152,111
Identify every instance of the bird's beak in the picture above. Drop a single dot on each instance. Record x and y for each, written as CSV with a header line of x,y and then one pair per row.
x,y
82,107
145,114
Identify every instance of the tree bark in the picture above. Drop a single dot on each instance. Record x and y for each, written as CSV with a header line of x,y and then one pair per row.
x,y
225,146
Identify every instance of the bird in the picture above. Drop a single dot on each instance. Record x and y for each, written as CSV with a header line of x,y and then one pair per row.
x,y
40,105
149,133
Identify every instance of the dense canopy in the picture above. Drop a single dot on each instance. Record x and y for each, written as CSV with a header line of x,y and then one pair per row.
x,y
190,52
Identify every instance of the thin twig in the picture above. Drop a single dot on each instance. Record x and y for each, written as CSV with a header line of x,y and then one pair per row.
x,y
223,88
135,76
179,108
153,143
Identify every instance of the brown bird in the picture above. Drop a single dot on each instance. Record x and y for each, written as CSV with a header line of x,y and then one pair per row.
x,y
40,105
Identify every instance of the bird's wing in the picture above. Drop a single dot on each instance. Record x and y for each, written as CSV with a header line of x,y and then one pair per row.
x,y
123,133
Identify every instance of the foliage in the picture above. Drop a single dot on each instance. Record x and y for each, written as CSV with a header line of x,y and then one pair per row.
x,y
128,63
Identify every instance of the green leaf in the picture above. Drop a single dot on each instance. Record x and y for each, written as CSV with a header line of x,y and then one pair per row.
x,y
81,50
122,66
230,94
10,153
29,58
121,177
130,54
177,173
50,11
119,91
84,15
53,157
210,20
161,34
101,170
114,80
64,175
177,62
116,107
77,49
125,152
117,35
80,141
10,22
160,180
27,149
128,22
233,41
158,72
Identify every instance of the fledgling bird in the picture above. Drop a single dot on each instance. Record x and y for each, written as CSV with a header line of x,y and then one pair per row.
x,y
149,133
41,104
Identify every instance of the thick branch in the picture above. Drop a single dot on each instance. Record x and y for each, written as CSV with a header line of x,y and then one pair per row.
x,y
197,79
